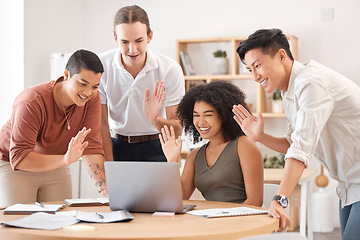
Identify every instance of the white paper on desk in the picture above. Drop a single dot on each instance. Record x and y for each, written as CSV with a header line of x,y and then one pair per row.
x,y
226,212
85,201
105,217
43,221
31,208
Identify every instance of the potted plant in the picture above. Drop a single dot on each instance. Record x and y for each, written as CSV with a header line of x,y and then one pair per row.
x,y
277,104
220,62
276,161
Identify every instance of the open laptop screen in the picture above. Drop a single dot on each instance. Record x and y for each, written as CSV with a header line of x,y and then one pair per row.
x,y
144,186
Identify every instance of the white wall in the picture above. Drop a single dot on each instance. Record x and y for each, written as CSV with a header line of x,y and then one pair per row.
x,y
50,26
66,25
11,54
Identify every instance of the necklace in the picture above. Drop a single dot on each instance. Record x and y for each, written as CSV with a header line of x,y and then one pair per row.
x,y
67,121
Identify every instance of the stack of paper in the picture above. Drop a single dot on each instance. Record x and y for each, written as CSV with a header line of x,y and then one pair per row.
x,y
43,221
105,217
32,208
226,212
79,202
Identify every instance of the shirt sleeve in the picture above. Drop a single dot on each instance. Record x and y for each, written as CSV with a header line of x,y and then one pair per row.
x,y
315,105
174,86
102,88
25,129
93,121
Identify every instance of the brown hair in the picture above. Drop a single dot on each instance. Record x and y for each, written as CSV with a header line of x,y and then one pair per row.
x,y
132,14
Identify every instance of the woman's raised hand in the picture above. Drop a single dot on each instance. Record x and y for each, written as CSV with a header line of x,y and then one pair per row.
x,y
170,145
76,146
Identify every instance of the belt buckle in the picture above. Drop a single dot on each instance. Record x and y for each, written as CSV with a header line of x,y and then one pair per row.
x,y
129,139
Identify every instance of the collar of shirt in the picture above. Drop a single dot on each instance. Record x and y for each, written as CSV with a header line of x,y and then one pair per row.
x,y
296,69
150,64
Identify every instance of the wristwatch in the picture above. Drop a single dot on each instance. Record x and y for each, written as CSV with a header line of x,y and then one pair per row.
x,y
284,201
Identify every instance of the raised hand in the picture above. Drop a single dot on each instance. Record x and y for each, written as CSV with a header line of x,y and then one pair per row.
x,y
252,127
76,146
153,103
170,145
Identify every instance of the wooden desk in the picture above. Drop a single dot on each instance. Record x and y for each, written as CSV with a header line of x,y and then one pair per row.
x,y
144,226
274,176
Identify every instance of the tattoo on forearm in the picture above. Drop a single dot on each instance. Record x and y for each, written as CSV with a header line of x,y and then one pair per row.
x,y
97,172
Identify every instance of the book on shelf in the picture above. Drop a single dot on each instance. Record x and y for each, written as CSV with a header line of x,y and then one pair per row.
x,y
227,212
24,209
79,202
186,63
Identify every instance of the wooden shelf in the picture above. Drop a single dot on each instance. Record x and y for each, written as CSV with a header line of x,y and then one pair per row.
x,y
234,61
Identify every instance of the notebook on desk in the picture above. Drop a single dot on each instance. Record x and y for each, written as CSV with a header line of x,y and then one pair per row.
x,y
144,186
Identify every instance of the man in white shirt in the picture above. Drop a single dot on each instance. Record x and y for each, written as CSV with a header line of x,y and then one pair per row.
x,y
131,116
322,108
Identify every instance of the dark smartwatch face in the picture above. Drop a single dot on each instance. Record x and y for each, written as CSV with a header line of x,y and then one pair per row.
x,y
284,202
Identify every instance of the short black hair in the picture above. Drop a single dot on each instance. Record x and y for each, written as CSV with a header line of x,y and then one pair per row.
x,y
269,40
84,59
222,95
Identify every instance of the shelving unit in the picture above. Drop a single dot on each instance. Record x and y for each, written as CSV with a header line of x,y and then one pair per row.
x,y
234,69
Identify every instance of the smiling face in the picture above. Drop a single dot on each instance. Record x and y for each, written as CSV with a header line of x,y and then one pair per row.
x,y
206,120
270,72
80,87
132,39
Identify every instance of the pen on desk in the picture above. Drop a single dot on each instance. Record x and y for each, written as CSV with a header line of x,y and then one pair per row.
x,y
39,204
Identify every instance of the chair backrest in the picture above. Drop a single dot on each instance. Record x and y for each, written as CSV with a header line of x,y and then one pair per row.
x,y
270,191
278,236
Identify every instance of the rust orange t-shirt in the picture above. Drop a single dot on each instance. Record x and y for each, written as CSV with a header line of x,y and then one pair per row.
x,y
38,124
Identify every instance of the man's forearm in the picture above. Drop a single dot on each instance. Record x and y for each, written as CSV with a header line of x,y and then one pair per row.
x,y
292,173
159,122
278,144
37,162
94,164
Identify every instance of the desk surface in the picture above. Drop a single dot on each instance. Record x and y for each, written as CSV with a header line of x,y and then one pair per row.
x,y
145,226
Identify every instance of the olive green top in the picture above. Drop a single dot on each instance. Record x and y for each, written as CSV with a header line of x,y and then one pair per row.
x,y
224,180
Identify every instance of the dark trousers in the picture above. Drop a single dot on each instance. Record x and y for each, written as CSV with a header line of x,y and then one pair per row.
x,y
150,151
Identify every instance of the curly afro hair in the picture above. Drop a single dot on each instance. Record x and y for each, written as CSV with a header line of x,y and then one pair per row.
x,y
222,96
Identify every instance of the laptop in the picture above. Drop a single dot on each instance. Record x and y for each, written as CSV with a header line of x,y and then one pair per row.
x,y
145,187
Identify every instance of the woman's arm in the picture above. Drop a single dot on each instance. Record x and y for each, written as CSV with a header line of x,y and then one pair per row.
x,y
252,169
172,147
188,175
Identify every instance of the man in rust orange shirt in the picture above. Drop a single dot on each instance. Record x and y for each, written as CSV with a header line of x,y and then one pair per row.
x,y
51,126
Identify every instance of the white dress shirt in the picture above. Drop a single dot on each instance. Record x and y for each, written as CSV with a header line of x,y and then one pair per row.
x,y
125,95
322,108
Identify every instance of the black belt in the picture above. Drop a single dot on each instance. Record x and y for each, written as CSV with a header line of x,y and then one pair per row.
x,y
136,139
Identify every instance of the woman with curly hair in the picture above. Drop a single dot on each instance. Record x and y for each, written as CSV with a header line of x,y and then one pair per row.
x,y
229,167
